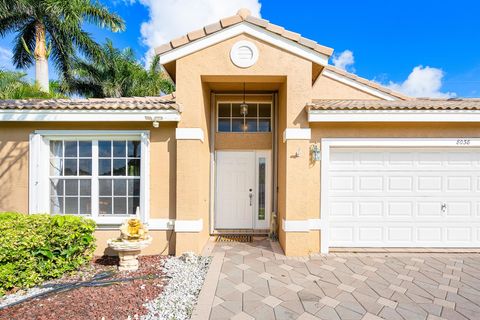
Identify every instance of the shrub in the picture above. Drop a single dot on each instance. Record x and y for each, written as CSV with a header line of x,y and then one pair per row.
x,y
34,248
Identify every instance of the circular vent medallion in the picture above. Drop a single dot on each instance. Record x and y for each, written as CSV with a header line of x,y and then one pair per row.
x,y
244,54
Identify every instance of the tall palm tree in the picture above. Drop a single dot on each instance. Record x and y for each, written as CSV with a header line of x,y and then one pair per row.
x,y
53,28
116,74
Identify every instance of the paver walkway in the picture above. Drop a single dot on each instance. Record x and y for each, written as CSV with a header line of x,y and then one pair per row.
x,y
256,281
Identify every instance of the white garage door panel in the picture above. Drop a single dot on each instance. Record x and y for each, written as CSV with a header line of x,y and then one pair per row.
x,y
397,197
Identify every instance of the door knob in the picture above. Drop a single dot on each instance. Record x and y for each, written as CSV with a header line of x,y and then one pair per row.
x,y
444,207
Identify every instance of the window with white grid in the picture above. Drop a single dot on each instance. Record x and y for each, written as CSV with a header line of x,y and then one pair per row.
x,y
103,177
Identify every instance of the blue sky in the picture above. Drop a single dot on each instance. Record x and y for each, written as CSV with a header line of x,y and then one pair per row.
x,y
387,39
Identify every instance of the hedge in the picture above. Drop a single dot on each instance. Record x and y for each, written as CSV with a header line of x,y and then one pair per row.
x,y
35,248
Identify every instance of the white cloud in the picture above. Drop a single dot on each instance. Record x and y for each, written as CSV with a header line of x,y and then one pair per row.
x,y
423,82
5,58
169,19
344,60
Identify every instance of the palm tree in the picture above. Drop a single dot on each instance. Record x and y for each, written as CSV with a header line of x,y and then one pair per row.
x,y
14,86
53,28
116,74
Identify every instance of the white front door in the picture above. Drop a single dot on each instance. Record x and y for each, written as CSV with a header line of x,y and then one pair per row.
x,y
404,197
243,188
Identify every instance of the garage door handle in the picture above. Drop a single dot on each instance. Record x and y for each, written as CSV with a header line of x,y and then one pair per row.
x,y
444,207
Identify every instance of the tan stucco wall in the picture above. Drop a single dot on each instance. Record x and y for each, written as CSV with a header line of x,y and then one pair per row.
x,y
160,242
326,88
273,65
382,130
14,173
243,141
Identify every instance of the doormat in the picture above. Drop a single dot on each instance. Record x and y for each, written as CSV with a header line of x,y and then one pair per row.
x,y
233,238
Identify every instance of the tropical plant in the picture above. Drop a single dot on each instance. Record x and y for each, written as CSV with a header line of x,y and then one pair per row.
x,y
53,28
116,74
14,86
38,247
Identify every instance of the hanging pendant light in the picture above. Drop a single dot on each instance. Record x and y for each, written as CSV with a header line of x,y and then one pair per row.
x,y
244,110
244,106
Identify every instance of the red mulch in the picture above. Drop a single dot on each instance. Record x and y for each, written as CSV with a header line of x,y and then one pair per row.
x,y
116,301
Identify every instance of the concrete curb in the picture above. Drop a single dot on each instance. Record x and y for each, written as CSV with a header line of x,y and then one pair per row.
x,y
207,294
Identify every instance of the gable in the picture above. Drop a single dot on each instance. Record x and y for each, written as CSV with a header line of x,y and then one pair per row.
x,y
249,29
327,88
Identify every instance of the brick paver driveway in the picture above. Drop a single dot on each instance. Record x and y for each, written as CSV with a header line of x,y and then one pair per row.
x,y
256,281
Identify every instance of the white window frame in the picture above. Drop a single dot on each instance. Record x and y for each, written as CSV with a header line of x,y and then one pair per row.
x,y
39,186
231,118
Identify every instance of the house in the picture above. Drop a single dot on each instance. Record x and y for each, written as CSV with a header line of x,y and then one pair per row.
x,y
261,134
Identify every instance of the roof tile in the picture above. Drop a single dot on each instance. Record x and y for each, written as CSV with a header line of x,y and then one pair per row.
x,y
275,28
412,104
367,82
163,48
230,21
323,49
257,21
307,42
214,27
179,41
129,103
245,15
291,35
197,34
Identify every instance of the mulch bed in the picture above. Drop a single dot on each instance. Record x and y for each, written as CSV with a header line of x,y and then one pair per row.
x,y
115,301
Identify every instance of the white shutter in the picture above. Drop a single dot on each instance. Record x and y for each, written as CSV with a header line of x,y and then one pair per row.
x,y
38,188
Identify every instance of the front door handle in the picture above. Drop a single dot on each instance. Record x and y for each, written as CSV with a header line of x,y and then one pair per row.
x,y
250,195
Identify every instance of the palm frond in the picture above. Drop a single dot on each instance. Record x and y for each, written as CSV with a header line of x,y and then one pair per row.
x,y
25,39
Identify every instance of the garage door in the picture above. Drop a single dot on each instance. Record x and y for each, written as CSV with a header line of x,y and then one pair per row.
x,y
395,197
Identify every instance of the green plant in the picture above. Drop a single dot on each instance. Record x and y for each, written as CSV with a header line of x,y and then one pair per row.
x,y
34,248
116,73
13,85
55,30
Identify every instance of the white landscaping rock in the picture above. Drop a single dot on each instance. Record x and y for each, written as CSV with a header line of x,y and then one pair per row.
x,y
22,295
181,293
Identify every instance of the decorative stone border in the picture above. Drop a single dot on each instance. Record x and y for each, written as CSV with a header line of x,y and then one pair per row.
x,y
207,294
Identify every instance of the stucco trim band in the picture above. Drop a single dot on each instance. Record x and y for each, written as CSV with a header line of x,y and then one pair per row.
x,y
189,134
161,224
189,225
301,225
89,115
393,116
297,134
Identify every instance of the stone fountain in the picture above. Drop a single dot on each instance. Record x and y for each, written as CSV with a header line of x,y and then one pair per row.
x,y
133,238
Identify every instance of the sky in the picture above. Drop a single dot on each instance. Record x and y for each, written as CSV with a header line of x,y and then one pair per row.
x,y
422,48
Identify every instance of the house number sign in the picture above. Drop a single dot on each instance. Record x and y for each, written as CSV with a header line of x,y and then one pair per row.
x,y
463,142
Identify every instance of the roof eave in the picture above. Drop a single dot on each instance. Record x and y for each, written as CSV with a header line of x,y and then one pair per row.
x,y
303,47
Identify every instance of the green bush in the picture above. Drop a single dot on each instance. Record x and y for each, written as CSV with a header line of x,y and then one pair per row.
x,y
34,248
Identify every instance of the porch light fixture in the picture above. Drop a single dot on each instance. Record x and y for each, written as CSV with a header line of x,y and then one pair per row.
x,y
155,120
244,110
315,152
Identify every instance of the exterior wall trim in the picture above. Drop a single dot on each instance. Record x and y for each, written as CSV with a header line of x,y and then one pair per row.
x,y
393,116
247,28
189,225
355,84
328,143
189,134
161,224
301,225
89,115
297,134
